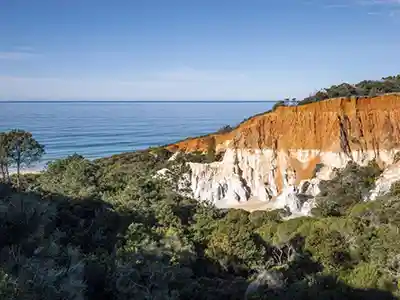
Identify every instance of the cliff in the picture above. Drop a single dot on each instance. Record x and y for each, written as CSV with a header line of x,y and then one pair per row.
x,y
277,155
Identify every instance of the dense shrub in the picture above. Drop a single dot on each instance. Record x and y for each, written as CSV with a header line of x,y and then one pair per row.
x,y
73,176
259,218
111,229
395,189
348,188
278,104
364,88
224,129
233,242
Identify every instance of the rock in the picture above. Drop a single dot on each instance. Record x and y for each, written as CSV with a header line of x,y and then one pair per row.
x,y
174,156
162,173
280,157
382,185
243,175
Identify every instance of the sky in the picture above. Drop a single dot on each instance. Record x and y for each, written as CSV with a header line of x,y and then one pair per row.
x,y
192,49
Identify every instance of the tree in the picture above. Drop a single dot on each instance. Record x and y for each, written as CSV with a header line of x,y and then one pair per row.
x,y
346,189
277,104
373,92
365,88
22,149
72,176
225,129
3,156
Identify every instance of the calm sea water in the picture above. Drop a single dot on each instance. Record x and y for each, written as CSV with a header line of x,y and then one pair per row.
x,y
97,129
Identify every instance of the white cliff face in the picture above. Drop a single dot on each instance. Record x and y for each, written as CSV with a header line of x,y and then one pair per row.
x,y
245,175
218,183
382,185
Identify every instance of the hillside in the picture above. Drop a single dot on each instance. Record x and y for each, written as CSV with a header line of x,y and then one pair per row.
x,y
272,157
299,203
351,97
111,229
369,120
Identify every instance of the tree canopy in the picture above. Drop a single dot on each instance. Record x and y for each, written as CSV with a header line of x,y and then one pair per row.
x,y
18,149
365,88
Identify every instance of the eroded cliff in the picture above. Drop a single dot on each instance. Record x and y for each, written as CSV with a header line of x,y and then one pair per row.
x,y
278,156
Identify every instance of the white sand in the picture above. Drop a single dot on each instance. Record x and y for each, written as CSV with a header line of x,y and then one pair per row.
x,y
253,205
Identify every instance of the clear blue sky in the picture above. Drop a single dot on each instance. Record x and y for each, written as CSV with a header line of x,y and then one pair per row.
x,y
192,49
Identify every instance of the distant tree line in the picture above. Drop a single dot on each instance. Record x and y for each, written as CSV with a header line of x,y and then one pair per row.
x,y
365,88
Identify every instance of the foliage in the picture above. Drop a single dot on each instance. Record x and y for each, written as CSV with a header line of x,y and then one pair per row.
x,y
258,218
278,104
33,260
4,158
224,129
18,148
233,243
345,190
395,189
73,176
370,88
112,229
328,247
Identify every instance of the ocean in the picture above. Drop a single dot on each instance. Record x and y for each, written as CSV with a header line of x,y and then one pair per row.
x,y
98,129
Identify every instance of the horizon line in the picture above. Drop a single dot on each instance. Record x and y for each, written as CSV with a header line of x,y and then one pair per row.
x,y
136,101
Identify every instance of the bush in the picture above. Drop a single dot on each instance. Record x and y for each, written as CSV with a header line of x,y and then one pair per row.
x,y
259,218
278,104
364,275
328,247
34,261
224,129
110,229
233,244
288,229
348,188
395,189
268,231
370,88
73,176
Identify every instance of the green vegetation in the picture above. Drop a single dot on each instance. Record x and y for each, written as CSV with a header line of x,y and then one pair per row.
x,y
277,104
365,88
349,187
18,149
224,129
110,229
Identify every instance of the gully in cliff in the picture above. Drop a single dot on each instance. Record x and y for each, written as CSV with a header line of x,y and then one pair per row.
x,y
277,159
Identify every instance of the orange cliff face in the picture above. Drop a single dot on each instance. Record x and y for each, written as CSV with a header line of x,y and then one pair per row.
x,y
276,152
332,125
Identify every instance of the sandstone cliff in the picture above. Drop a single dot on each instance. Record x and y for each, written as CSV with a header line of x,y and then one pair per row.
x,y
276,156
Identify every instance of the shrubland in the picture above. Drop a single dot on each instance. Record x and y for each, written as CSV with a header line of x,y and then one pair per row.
x,y
360,90
110,229
365,88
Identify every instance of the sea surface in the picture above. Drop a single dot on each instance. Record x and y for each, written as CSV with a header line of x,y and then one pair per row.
x,y
98,129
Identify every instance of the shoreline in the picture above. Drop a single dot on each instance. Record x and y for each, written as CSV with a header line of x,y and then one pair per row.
x,y
27,171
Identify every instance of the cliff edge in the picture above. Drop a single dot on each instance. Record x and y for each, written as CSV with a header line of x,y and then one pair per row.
x,y
276,156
